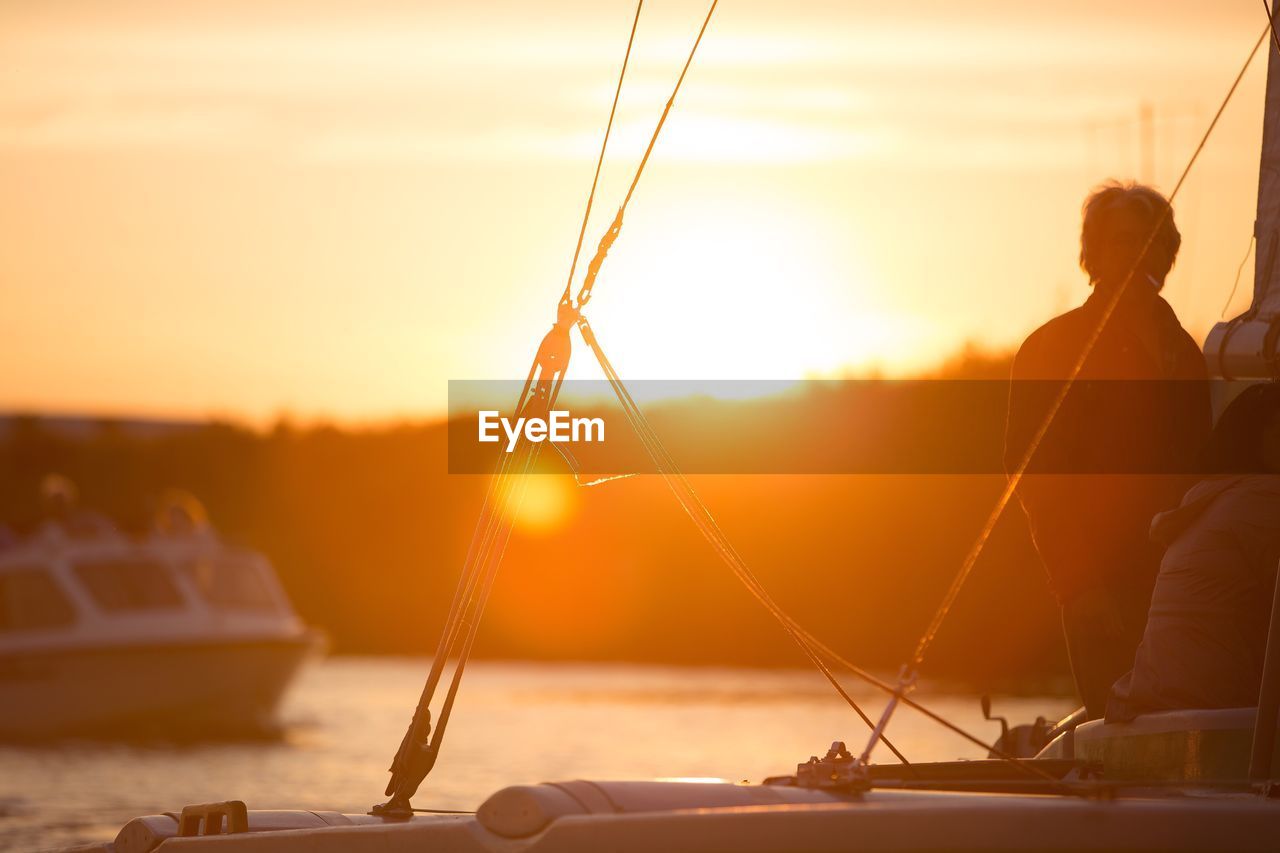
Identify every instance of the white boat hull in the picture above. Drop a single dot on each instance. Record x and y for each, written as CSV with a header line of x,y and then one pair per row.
x,y
699,817
197,688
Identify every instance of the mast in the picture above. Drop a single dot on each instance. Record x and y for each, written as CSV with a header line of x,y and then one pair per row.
x,y
1245,347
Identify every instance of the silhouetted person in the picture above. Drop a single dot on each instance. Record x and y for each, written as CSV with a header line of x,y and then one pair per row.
x,y
62,513
59,498
1206,635
1117,452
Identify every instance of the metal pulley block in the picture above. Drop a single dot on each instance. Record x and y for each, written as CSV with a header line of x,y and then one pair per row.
x,y
837,769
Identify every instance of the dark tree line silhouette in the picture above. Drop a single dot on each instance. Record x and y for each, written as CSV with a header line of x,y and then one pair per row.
x,y
368,530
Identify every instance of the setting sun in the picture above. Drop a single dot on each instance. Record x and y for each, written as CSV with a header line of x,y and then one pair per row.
x,y
742,292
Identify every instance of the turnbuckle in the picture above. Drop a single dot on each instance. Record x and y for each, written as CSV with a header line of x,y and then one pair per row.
x,y
553,352
593,268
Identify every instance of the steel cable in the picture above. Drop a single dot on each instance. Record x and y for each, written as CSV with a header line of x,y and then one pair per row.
x,y
707,525
608,128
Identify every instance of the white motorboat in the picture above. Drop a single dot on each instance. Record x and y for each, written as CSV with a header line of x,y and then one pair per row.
x,y
176,634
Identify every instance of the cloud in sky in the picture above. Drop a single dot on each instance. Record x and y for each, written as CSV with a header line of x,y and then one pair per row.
x,y
405,82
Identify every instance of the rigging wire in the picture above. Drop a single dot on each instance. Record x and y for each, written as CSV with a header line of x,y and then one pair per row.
x,y
687,497
700,515
418,750
1239,271
706,524
600,481
492,536
1271,24
420,746
608,128
911,703
611,234
648,437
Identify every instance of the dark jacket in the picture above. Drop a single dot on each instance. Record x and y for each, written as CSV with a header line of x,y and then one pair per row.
x,y
1206,636
1123,445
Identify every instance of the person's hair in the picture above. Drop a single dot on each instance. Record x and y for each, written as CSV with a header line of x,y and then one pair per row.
x,y
1236,444
1150,204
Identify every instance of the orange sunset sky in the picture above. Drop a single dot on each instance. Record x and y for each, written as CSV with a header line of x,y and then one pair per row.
x,y
242,208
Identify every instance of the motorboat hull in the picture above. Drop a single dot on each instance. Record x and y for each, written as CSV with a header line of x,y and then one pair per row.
x,y
187,689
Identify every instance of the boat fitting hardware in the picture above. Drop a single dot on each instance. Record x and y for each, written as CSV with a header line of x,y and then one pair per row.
x,y
210,818
837,769
986,715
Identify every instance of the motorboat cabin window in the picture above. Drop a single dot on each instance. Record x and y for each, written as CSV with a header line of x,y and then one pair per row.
x,y
231,584
117,585
31,600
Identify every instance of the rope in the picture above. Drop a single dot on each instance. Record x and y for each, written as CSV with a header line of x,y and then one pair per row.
x,y
481,598
670,101
420,745
910,703
591,197
707,526
1271,23
493,532
1239,271
813,647
611,234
